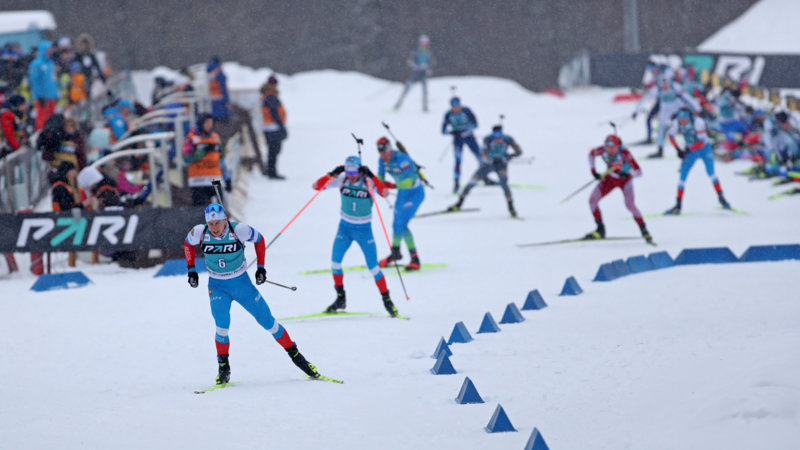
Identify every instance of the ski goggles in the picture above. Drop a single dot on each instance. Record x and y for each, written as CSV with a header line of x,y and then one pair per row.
x,y
215,211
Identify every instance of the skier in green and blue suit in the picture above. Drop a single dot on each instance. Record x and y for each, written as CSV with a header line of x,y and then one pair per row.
x,y
410,194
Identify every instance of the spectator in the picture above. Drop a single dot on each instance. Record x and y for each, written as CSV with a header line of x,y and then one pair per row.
x,y
202,152
86,57
274,124
72,147
12,123
115,122
43,84
63,55
162,88
66,194
78,92
218,90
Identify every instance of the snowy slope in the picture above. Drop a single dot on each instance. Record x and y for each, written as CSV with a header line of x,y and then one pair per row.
x,y
690,357
767,27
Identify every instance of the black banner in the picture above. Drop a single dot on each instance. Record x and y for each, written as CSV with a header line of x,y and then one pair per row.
x,y
102,230
627,69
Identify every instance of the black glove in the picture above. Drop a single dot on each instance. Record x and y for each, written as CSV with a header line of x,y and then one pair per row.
x,y
366,172
335,172
284,133
194,280
682,153
228,186
633,116
596,175
261,275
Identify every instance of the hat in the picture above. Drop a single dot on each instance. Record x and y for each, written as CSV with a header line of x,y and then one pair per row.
x,y
64,42
683,113
383,144
351,165
613,139
15,101
455,101
215,211
272,80
424,39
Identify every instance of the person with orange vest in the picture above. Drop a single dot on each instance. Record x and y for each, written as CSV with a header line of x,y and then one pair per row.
x,y
202,152
218,90
274,125
66,194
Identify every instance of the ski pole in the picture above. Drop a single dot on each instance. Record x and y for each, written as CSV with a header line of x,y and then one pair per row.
x,y
402,148
372,193
444,152
583,187
291,288
295,217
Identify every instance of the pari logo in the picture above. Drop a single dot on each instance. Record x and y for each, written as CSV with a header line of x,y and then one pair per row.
x,y
735,67
114,229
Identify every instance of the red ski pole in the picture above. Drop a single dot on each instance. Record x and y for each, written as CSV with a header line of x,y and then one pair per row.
x,y
380,217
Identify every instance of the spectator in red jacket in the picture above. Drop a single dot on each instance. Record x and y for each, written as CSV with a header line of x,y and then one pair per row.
x,y
12,123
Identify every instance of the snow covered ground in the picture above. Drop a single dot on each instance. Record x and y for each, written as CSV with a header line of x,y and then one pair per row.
x,y
693,357
766,27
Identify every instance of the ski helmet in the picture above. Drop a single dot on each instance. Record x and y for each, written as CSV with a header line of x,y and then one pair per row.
x,y
497,132
351,165
215,211
383,144
613,139
683,113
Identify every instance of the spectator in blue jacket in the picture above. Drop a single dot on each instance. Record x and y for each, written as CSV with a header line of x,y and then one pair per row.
x,y
43,83
218,90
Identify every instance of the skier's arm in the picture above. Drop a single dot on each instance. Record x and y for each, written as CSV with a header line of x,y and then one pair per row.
x,y
445,122
515,146
636,171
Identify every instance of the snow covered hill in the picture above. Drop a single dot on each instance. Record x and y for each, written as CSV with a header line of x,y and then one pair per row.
x,y
695,357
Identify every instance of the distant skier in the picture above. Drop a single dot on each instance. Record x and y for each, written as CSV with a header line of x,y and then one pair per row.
x,y
671,98
698,146
420,62
410,194
355,225
274,125
622,168
223,247
495,159
462,123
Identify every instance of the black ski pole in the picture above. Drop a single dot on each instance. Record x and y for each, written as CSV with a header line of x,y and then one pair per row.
x,y
291,288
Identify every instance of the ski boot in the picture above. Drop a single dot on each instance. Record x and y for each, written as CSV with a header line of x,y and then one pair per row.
x,y
658,154
599,233
339,303
723,202
300,361
224,374
675,210
387,303
511,210
414,264
646,234
394,256
457,206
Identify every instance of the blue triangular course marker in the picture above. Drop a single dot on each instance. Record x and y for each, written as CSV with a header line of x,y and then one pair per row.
x,y
442,347
443,366
499,422
534,301
714,255
468,393
67,280
620,268
661,260
606,272
639,264
536,441
512,314
488,325
459,334
571,287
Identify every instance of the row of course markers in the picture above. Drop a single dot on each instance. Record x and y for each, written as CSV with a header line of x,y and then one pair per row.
x,y
713,255
499,422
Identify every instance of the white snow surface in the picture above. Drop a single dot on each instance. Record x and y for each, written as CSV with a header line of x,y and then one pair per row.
x,y
690,357
767,27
